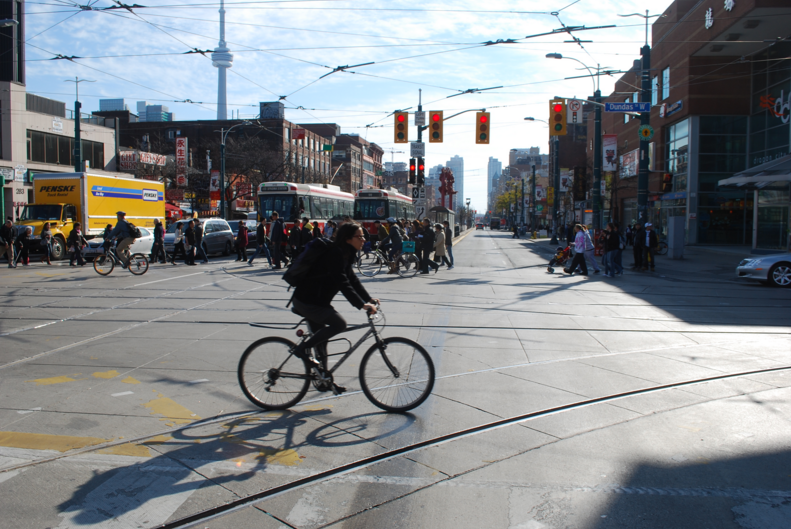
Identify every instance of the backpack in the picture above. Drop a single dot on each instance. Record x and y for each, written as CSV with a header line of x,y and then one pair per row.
x,y
313,252
134,231
622,242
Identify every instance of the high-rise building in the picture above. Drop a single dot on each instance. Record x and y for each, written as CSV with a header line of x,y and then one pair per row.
x,y
112,105
152,113
495,169
12,42
393,167
456,164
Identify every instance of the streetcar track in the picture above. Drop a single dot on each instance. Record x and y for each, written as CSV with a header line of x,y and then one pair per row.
x,y
341,470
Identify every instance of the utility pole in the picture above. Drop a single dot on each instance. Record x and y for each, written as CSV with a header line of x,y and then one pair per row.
x,y
78,165
533,199
522,203
556,175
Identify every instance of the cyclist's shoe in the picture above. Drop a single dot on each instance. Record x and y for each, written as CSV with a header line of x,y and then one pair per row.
x,y
300,351
338,389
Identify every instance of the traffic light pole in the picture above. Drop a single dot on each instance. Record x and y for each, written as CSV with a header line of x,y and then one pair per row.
x,y
533,200
645,120
556,195
523,200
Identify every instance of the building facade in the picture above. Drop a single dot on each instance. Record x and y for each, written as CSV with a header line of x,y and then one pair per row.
x,y
720,82
456,164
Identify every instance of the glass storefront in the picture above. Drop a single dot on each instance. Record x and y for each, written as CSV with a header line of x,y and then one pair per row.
x,y
724,217
773,217
771,98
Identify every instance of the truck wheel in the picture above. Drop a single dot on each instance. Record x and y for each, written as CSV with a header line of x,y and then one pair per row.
x,y
58,248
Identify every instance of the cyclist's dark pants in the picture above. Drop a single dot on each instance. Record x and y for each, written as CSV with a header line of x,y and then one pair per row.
x,y
324,323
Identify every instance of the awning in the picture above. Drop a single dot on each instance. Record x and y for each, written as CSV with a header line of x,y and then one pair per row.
x,y
761,176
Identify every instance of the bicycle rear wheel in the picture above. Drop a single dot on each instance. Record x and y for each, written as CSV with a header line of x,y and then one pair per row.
x,y
408,265
138,264
397,377
270,376
662,248
103,264
369,263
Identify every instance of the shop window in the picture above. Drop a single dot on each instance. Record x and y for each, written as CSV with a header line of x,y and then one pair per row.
x,y
666,83
655,90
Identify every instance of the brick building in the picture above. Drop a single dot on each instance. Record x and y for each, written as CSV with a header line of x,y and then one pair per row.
x,y
720,86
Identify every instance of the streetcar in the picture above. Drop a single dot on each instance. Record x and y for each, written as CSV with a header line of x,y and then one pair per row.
x,y
293,202
379,204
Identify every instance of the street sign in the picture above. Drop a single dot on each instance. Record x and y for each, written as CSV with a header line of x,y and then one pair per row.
x,y
415,193
574,111
646,132
419,194
420,212
422,195
627,107
420,118
417,149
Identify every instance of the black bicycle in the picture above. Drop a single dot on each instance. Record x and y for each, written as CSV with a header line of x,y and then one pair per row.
x,y
396,374
105,263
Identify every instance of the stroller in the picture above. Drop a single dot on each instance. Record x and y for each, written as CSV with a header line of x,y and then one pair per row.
x,y
562,257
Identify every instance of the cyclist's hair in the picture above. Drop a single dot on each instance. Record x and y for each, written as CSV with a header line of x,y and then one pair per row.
x,y
346,232
275,214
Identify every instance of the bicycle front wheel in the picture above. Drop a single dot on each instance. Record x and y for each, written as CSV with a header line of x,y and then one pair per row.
x,y
369,263
408,265
103,264
398,375
138,264
662,249
270,376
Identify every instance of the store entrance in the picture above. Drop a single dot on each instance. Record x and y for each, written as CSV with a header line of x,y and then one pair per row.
x,y
773,227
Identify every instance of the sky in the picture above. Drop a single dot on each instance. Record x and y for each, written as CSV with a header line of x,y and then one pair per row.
x,y
282,48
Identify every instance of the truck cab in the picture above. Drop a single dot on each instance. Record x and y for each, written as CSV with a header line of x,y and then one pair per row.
x,y
61,218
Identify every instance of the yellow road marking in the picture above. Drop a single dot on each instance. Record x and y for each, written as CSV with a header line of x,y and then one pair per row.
x,y
41,441
106,374
54,380
171,411
130,380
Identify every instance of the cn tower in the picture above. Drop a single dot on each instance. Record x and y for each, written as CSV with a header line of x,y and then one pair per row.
x,y
222,59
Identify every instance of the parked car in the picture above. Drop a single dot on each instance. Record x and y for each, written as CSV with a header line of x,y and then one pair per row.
x,y
251,228
217,236
768,269
142,245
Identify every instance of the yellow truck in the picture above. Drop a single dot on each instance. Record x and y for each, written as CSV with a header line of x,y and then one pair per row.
x,y
91,199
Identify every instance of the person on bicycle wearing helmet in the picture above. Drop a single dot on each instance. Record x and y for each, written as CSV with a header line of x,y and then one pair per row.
x,y
331,274
123,233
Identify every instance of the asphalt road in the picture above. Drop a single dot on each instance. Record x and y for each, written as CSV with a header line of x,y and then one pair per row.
x,y
121,408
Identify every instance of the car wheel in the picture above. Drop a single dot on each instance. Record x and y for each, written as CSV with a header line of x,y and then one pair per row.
x,y
227,251
780,275
58,248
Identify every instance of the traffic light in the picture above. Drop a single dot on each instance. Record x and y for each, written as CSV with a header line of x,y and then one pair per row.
x,y
435,125
667,182
421,173
412,171
557,117
401,133
482,127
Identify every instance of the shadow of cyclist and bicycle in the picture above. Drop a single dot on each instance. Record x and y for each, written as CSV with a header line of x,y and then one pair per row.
x,y
224,454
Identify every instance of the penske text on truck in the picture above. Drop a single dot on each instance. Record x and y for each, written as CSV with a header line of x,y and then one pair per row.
x,y
93,200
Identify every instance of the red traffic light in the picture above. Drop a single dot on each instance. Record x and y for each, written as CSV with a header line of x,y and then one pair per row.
x,y
412,167
401,118
421,167
484,119
436,117
557,107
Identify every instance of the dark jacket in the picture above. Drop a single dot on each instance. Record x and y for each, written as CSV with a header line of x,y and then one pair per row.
x,y
611,241
639,238
428,238
241,237
76,240
189,236
396,236
159,233
121,230
260,234
294,236
198,234
7,235
653,241
305,236
276,232
332,274
448,236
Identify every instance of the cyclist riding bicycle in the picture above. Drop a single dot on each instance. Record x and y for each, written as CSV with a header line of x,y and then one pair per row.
x,y
123,233
393,243
329,275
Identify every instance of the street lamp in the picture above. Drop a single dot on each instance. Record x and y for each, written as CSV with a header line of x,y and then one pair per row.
x,y
597,154
467,213
223,137
8,22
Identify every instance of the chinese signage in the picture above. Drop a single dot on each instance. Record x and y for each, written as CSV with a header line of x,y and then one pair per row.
x,y
609,150
181,162
130,159
550,196
19,173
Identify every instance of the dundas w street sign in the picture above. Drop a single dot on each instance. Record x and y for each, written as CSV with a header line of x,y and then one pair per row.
x,y
627,107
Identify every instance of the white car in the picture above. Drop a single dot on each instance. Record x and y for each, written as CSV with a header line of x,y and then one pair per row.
x,y
772,269
142,245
